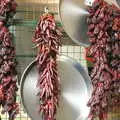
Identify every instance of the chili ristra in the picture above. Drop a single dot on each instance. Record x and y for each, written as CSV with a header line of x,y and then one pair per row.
x,y
8,74
7,10
47,40
104,36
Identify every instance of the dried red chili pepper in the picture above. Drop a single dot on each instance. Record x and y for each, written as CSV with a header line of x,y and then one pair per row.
x,y
104,31
7,9
8,74
47,39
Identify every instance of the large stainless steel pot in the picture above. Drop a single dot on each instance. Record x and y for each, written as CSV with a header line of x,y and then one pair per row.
x,y
73,16
118,2
75,86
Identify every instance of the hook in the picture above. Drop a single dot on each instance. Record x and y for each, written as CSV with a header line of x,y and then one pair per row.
x,y
46,9
89,2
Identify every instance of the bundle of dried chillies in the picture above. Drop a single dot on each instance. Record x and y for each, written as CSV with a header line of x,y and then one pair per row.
x,y
7,10
104,36
8,74
47,39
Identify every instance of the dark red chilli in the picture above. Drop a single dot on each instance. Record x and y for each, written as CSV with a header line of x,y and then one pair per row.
x,y
7,9
104,36
8,74
47,39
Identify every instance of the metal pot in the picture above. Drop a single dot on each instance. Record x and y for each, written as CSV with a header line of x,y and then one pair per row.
x,y
73,16
75,90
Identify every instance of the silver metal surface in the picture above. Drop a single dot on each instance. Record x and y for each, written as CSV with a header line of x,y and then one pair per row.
x,y
73,16
118,2
75,86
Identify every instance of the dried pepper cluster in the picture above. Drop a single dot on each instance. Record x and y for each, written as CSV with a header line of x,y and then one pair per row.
x,y
8,74
104,36
47,39
7,9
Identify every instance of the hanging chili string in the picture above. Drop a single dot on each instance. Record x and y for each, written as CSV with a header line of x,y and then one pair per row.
x,y
8,74
7,10
47,39
104,36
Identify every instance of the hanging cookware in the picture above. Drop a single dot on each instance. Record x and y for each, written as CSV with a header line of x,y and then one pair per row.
x,y
73,14
118,2
75,86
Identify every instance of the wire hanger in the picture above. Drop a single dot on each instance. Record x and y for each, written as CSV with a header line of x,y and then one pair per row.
x,y
46,10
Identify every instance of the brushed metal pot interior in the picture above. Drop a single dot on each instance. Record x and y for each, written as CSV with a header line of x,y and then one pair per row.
x,y
118,2
73,16
75,90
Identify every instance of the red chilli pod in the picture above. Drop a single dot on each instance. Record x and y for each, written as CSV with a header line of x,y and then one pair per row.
x,y
104,36
47,39
8,74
